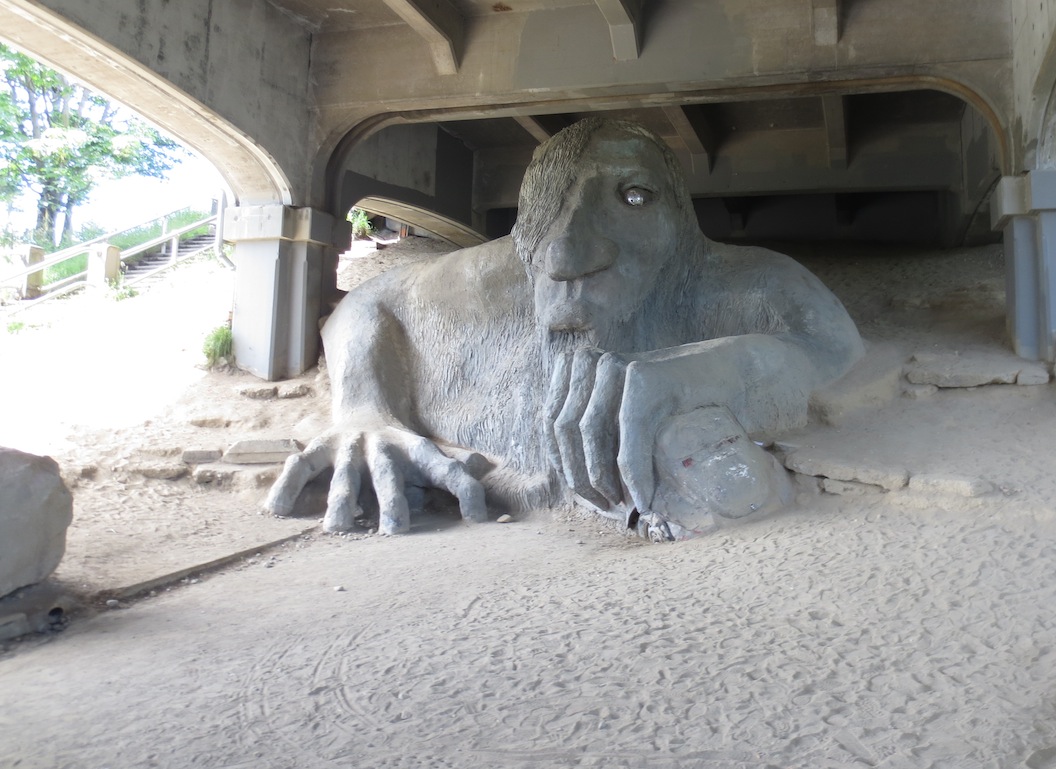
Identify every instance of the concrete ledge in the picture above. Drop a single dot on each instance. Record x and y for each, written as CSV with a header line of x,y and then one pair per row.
x,y
849,488
887,478
261,452
975,369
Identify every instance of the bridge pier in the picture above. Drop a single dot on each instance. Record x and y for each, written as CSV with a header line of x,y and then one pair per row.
x,y
1024,209
285,259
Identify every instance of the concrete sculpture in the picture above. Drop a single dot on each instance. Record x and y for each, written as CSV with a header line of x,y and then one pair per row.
x,y
606,348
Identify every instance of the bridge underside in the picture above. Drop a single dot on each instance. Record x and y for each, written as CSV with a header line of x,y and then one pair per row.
x,y
878,120
915,166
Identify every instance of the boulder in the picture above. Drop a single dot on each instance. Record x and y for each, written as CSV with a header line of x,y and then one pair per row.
x,y
710,471
35,510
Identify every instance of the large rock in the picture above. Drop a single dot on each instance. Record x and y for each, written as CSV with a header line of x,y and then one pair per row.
x,y
709,470
35,510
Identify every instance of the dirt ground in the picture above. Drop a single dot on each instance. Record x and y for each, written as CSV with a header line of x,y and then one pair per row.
x,y
896,628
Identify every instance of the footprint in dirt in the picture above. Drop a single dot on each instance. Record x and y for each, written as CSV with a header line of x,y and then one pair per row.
x,y
1042,759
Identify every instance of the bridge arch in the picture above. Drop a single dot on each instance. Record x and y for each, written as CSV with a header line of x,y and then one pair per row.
x,y
253,175
407,165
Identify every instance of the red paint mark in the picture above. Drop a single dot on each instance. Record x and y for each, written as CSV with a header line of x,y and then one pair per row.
x,y
687,462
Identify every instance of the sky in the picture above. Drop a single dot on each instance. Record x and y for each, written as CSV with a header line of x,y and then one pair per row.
x,y
122,203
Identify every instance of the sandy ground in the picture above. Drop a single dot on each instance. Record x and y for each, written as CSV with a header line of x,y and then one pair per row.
x,y
894,629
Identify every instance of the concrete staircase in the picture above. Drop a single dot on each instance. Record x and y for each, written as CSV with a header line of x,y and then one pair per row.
x,y
148,264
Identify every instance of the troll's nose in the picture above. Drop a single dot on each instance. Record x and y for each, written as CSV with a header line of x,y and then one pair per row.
x,y
569,257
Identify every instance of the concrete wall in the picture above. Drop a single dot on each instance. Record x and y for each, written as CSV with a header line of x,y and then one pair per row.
x,y
269,96
420,165
520,63
230,77
1034,75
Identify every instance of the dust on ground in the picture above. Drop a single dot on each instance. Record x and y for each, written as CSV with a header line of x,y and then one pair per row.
x,y
865,628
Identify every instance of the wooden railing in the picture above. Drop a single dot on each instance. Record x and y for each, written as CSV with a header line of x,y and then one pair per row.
x,y
170,237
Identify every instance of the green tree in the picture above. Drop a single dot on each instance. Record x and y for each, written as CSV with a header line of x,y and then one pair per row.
x,y
58,139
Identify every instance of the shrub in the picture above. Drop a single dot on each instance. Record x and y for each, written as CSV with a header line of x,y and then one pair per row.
x,y
217,344
117,290
361,226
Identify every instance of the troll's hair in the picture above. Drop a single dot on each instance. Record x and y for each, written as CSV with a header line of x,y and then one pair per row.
x,y
553,171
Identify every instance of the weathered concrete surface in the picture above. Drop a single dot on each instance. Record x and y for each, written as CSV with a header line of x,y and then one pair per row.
x,y
165,471
261,451
35,609
35,510
874,381
617,315
710,470
849,488
771,99
276,73
765,99
858,470
229,78
973,369
201,456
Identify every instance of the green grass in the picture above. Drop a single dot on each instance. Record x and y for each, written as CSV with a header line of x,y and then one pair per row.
x,y
117,291
65,269
217,344
125,240
135,236
361,226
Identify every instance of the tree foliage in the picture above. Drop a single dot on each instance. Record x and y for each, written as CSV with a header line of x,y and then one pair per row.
x,y
58,139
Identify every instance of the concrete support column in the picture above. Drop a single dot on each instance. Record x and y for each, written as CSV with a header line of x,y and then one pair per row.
x,y
1024,209
280,256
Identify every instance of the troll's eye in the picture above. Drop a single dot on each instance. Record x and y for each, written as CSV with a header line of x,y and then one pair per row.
x,y
636,196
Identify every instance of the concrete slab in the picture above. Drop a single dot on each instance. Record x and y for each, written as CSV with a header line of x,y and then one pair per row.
x,y
201,456
918,392
261,452
849,488
958,485
164,471
1034,375
839,468
973,369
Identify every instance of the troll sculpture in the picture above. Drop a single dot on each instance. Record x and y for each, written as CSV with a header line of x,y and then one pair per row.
x,y
605,350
